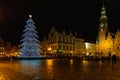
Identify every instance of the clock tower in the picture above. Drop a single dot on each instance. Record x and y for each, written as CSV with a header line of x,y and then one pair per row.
x,y
102,32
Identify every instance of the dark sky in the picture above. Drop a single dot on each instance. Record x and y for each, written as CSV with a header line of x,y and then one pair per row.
x,y
81,16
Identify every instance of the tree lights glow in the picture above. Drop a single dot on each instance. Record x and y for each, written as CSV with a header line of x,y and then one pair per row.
x,y
29,42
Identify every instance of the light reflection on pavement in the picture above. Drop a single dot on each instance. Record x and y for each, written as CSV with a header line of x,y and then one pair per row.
x,y
1,77
59,69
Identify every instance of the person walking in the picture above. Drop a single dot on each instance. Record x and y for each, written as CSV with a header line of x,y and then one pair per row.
x,y
114,59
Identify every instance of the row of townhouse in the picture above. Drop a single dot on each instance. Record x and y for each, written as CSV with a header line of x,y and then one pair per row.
x,y
65,43
7,50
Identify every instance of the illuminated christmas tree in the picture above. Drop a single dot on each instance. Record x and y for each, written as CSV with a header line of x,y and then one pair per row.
x,y
29,42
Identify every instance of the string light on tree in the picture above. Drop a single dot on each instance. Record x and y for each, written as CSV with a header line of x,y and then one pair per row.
x,y
29,42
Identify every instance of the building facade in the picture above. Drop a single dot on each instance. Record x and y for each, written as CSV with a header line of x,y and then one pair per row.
x,y
2,48
62,43
90,48
7,50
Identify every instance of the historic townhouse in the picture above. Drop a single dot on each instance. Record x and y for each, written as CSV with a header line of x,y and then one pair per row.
x,y
7,50
64,43
2,48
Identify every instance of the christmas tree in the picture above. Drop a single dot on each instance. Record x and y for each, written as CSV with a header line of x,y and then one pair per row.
x,y
29,47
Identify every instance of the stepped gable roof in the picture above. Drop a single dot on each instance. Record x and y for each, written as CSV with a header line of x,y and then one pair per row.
x,y
66,31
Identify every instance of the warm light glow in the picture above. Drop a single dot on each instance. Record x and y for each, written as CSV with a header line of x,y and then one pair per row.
x,y
71,51
49,67
100,62
49,48
86,44
2,78
2,53
71,61
15,53
84,61
87,53
49,62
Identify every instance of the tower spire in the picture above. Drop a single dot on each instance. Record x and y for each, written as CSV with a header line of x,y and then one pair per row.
x,y
103,21
103,10
103,18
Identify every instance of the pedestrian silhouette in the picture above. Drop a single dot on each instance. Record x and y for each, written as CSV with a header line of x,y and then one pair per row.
x,y
114,59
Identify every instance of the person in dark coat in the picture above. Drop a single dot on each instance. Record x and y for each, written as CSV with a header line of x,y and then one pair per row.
x,y
114,59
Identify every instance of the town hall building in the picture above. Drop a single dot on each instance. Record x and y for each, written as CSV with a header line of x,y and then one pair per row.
x,y
107,42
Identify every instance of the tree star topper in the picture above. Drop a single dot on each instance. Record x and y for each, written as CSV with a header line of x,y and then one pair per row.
x,y
30,16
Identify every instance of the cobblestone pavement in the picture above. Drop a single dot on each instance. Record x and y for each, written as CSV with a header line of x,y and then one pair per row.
x,y
59,69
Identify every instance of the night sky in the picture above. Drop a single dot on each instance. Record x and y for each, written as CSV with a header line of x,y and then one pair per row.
x,y
81,16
